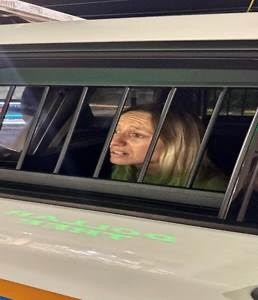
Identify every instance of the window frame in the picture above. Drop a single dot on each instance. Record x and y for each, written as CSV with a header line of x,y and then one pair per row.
x,y
122,77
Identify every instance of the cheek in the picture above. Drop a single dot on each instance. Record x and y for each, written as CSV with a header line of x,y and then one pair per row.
x,y
140,149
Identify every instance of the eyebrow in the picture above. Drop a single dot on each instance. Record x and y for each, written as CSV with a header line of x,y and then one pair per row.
x,y
141,129
137,128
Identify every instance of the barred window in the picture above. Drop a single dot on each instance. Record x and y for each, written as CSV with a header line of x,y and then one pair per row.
x,y
195,137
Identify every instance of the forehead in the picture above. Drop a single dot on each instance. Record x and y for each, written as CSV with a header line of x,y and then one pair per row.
x,y
136,118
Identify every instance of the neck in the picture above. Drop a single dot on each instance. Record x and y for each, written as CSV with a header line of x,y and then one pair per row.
x,y
152,169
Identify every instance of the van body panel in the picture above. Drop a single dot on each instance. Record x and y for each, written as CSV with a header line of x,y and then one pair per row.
x,y
120,257
128,76
234,26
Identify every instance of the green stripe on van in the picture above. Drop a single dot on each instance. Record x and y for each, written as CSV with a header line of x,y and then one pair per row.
x,y
128,77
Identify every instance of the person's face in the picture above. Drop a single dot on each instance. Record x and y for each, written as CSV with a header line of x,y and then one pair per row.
x,y
132,139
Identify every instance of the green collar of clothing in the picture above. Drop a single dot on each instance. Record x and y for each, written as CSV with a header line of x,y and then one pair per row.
x,y
217,182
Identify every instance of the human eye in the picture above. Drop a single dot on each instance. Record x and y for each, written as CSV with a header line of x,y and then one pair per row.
x,y
137,135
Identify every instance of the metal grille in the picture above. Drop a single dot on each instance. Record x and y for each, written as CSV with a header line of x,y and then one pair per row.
x,y
32,129
229,195
156,134
6,105
70,131
206,137
111,133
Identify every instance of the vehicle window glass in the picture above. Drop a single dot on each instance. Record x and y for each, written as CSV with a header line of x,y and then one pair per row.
x,y
223,145
238,102
16,122
104,101
176,148
252,210
93,126
91,131
108,133
245,205
97,113
51,128
247,188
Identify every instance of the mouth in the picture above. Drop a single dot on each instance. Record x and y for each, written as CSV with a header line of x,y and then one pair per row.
x,y
118,153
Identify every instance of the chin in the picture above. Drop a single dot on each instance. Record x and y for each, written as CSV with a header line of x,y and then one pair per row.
x,y
119,162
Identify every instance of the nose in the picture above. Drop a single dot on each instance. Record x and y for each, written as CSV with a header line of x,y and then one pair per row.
x,y
118,140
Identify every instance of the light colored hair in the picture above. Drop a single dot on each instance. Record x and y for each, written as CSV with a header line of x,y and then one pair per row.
x,y
181,134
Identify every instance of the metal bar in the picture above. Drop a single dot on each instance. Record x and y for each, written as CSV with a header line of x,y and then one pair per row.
x,y
111,133
245,203
250,5
51,121
70,131
206,137
229,195
156,134
6,105
32,129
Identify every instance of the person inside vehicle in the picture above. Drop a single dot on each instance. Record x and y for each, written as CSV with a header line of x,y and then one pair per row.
x,y
174,154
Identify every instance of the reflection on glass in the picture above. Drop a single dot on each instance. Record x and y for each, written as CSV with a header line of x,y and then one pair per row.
x,y
252,210
16,122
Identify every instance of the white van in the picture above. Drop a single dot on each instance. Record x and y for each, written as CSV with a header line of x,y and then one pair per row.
x,y
70,231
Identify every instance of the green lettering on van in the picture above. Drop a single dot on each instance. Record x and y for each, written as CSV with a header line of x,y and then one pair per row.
x,y
81,227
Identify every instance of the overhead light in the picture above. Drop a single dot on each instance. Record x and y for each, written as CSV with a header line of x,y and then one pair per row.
x,y
34,13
